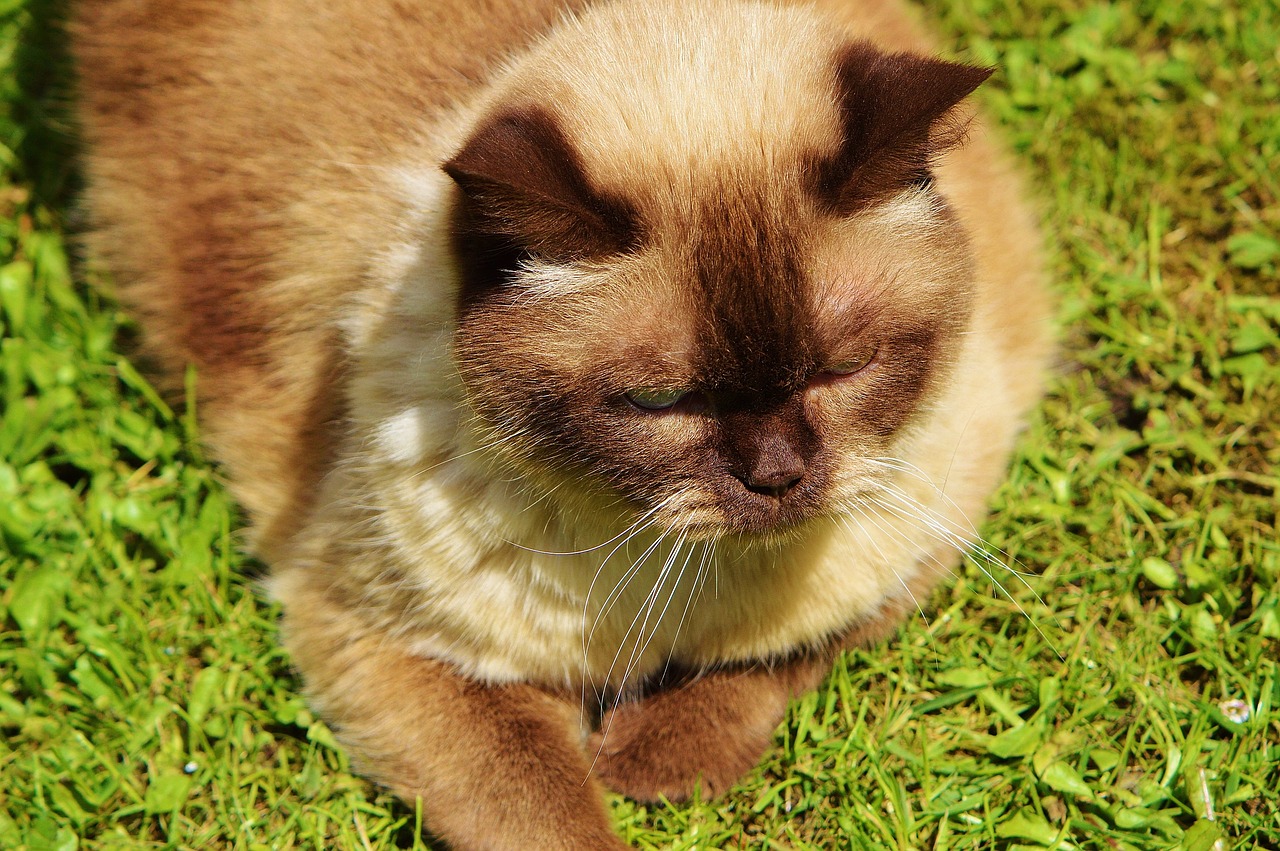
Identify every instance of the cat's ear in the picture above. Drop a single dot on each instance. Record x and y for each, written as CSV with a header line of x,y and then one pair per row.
x,y
898,113
523,181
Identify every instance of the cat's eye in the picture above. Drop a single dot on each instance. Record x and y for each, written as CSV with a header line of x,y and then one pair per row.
x,y
655,400
853,365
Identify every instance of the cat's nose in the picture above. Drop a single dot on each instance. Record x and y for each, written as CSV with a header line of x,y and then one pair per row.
x,y
776,486
777,469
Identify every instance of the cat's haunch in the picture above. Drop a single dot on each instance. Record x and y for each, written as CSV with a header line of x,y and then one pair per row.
x,y
591,373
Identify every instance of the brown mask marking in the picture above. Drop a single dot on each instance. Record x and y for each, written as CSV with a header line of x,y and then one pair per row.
x,y
756,319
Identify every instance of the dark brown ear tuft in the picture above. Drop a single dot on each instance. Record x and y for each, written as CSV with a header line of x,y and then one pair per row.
x,y
897,116
523,182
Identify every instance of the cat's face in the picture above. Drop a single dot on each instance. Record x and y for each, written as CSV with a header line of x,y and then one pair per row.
x,y
721,342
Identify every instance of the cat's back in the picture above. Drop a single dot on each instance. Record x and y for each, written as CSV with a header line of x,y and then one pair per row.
x,y
212,127
232,153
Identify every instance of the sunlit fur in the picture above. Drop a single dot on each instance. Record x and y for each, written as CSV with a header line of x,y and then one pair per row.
x,y
481,549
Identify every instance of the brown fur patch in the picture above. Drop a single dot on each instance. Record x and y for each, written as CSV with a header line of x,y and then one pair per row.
x,y
227,149
704,731
701,731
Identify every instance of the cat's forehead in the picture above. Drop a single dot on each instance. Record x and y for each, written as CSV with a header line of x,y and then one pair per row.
x,y
745,294
689,88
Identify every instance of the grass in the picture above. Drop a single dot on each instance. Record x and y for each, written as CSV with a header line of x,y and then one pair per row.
x,y
1124,695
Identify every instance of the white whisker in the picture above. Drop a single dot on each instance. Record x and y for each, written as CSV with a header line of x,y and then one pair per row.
x,y
644,610
624,533
932,524
647,607
651,601
616,592
967,535
695,589
884,558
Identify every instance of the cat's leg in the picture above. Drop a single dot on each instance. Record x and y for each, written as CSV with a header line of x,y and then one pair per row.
x,y
496,767
705,732
709,730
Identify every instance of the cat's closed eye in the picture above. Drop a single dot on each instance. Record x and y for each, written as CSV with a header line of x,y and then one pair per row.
x,y
859,362
649,399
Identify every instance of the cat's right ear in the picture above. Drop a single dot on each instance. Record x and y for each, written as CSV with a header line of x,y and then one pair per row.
x,y
523,181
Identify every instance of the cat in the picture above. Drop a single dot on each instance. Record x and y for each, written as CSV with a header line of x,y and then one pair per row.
x,y
589,373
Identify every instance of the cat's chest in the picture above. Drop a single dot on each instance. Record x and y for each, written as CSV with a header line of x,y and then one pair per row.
x,y
626,607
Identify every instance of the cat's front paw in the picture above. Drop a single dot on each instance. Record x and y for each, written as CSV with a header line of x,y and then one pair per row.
x,y
705,734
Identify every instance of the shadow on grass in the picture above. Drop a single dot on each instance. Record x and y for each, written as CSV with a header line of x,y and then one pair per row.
x,y
42,127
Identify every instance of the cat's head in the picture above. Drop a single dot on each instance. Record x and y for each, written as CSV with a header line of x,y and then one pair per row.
x,y
706,265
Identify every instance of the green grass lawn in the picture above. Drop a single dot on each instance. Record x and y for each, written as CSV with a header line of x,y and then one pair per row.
x,y
1121,690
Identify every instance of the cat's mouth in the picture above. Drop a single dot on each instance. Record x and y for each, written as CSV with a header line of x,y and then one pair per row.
x,y
742,512
768,516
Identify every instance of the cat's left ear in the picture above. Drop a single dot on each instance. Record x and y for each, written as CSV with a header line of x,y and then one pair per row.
x,y
898,113
523,181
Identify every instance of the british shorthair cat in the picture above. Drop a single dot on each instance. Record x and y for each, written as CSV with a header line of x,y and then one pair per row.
x,y
590,373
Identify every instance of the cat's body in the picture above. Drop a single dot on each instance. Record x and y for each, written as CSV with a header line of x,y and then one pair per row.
x,y
644,362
